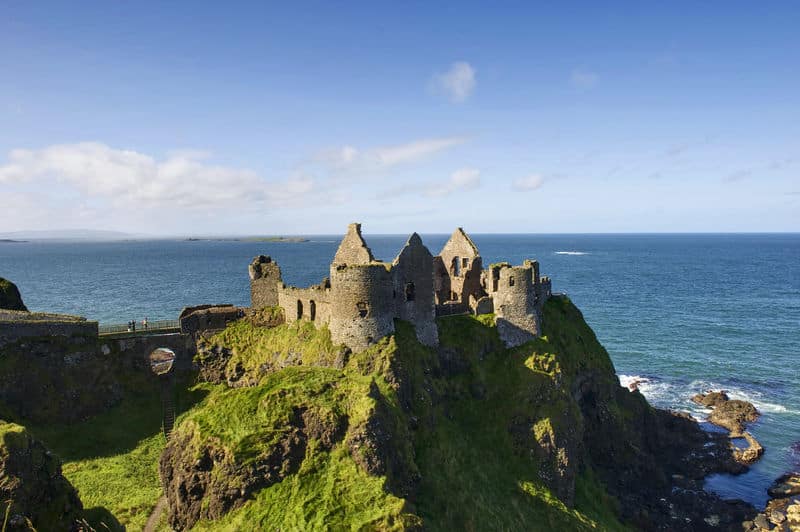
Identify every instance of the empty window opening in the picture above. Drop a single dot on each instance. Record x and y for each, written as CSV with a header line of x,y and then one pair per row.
x,y
510,281
465,263
362,309
410,292
456,267
453,296
312,310
299,309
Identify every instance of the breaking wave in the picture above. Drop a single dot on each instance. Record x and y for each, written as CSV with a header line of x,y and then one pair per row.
x,y
571,253
678,396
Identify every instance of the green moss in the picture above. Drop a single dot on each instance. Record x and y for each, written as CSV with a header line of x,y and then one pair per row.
x,y
289,344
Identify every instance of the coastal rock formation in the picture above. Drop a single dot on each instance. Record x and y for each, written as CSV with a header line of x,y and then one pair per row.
x,y
31,483
782,512
732,414
10,297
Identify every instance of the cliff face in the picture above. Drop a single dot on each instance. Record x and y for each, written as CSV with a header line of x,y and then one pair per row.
x,y
10,297
296,432
33,492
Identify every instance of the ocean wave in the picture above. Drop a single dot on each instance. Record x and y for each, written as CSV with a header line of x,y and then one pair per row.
x,y
571,252
751,396
676,395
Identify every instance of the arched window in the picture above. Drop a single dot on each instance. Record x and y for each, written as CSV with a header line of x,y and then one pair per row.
x,y
410,292
362,309
312,310
510,281
299,309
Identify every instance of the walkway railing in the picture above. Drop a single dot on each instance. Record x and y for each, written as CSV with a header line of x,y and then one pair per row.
x,y
157,326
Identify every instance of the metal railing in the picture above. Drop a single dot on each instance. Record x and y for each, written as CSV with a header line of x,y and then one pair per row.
x,y
154,326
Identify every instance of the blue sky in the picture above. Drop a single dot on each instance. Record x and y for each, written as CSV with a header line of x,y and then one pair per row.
x,y
225,118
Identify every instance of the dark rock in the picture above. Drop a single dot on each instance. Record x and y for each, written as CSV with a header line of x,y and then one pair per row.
x,y
711,399
10,297
785,486
206,482
31,479
733,415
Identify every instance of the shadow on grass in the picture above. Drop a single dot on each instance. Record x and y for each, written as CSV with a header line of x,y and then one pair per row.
x,y
100,519
119,429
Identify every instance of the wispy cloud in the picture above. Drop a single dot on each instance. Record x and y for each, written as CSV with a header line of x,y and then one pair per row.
x,y
351,160
457,82
182,179
531,182
461,179
583,79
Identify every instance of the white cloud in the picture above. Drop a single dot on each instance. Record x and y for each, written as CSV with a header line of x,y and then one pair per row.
x,y
351,160
127,177
531,182
457,83
462,179
583,79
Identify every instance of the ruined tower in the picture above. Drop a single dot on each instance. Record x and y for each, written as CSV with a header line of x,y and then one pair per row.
x,y
265,276
362,302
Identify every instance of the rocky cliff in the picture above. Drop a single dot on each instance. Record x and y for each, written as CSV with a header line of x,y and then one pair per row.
x,y
295,432
10,297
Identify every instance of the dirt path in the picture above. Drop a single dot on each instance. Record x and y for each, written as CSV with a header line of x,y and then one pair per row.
x,y
154,518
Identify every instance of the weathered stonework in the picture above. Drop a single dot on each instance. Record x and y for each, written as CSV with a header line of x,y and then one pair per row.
x,y
363,296
265,276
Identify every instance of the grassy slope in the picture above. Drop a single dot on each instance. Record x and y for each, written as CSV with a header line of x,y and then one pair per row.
x,y
472,478
112,458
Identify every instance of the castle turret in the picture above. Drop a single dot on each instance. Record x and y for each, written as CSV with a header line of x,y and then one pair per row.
x,y
516,313
362,305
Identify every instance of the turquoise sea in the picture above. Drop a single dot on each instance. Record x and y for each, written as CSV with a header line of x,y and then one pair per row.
x,y
681,313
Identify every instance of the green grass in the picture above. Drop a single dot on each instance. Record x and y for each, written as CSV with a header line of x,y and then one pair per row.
x,y
112,458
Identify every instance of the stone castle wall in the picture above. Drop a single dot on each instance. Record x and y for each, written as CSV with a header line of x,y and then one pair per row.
x,y
362,304
311,303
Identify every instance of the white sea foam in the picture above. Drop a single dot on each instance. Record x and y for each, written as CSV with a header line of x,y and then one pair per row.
x,y
751,396
571,253
666,394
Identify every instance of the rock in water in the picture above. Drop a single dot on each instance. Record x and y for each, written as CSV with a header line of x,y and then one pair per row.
x,y
30,477
10,298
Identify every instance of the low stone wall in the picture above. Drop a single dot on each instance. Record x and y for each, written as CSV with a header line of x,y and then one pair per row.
x,y
16,326
208,317
314,303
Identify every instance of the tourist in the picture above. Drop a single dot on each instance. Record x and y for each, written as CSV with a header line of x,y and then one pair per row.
x,y
144,323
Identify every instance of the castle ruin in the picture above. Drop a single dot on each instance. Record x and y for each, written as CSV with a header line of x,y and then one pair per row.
x,y
363,296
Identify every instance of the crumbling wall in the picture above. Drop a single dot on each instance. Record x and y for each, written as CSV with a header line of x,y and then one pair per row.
x,y
362,304
265,277
459,271
208,317
412,273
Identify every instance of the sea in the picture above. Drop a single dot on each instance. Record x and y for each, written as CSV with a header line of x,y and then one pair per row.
x,y
679,313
